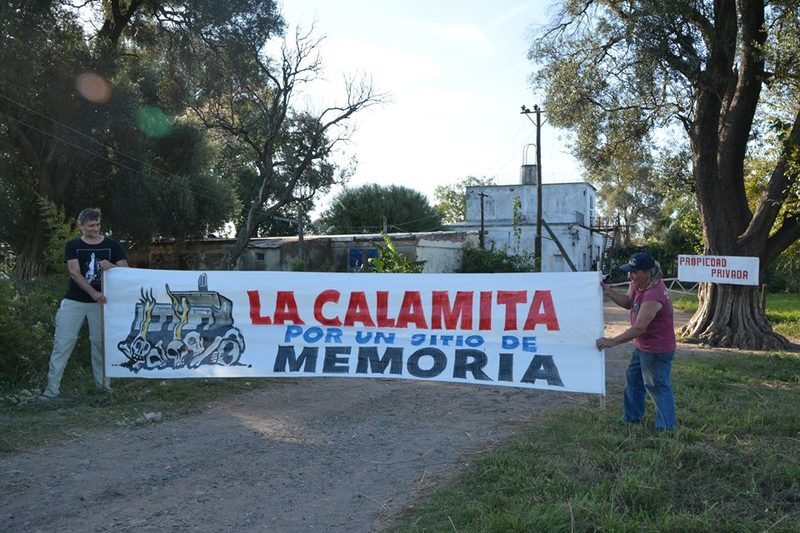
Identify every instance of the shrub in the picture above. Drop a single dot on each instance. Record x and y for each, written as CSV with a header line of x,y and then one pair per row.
x,y
783,275
391,260
61,228
477,260
27,318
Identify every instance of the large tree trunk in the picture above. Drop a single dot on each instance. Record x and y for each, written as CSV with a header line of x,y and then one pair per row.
x,y
29,264
230,260
731,316
53,179
727,94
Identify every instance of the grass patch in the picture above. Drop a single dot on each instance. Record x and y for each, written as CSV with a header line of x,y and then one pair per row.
x,y
82,409
731,466
783,311
685,303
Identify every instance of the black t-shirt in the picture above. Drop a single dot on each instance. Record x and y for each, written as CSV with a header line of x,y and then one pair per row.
x,y
89,257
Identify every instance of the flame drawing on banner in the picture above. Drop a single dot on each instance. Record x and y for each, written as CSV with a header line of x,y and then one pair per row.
x,y
194,329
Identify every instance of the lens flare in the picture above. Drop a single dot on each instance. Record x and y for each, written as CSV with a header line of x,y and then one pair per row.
x,y
153,122
93,88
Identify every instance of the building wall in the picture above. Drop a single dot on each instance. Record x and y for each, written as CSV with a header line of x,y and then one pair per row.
x,y
561,203
286,254
569,209
440,250
194,255
276,253
441,255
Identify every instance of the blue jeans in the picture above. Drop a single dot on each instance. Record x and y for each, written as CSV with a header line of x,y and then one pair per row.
x,y
649,373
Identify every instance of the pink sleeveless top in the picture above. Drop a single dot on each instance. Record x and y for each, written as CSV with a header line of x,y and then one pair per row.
x,y
659,337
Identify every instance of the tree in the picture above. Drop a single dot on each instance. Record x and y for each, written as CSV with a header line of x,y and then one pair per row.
x,y
37,49
638,72
373,208
84,120
631,192
451,200
247,97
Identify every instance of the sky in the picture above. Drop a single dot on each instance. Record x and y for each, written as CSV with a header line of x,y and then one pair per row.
x,y
456,74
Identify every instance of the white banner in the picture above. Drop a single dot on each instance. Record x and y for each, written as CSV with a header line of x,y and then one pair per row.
x,y
730,269
516,330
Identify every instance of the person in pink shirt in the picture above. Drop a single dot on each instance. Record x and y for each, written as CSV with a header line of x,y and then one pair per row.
x,y
653,328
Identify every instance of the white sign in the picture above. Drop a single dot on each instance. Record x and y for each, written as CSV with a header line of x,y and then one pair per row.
x,y
733,270
516,330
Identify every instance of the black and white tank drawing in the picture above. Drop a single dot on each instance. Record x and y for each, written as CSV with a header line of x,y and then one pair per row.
x,y
194,329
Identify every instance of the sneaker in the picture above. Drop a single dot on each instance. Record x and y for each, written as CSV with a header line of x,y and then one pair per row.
x,y
43,398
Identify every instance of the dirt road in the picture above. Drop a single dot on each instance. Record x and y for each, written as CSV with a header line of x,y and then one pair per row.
x,y
323,454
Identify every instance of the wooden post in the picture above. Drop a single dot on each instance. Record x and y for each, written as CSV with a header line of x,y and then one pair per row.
x,y
764,297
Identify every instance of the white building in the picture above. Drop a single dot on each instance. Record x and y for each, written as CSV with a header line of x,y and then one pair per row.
x,y
569,210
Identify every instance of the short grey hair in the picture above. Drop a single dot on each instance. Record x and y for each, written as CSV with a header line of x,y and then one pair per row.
x,y
89,214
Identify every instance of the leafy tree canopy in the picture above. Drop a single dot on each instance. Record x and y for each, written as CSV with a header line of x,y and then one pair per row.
x,y
629,76
87,117
372,208
451,200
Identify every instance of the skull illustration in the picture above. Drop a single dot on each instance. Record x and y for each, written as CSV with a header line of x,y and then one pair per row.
x,y
140,347
176,353
231,348
194,343
154,359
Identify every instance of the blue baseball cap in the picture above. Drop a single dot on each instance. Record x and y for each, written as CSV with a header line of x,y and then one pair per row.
x,y
638,261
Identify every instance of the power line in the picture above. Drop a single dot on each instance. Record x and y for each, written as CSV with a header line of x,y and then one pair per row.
x,y
147,165
83,134
502,161
426,217
162,179
396,225
100,156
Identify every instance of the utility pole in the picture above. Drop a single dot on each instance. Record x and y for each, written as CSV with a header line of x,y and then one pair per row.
x,y
481,238
538,243
300,232
537,247
481,241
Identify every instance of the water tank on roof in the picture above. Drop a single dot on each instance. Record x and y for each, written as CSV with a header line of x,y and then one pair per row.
x,y
528,174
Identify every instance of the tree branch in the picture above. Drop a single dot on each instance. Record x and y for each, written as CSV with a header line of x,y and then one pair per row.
x,y
118,20
769,205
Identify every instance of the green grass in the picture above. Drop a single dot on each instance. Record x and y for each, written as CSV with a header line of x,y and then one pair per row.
x,y
783,311
733,464
82,409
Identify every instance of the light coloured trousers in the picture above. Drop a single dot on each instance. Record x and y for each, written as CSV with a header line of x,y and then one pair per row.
x,y
69,320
